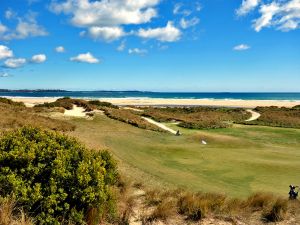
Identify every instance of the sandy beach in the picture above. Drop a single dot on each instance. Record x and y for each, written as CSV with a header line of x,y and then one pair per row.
x,y
173,102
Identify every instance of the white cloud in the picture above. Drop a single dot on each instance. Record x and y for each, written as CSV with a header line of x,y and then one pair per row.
x,y
165,34
60,49
26,27
178,10
105,33
5,52
86,13
87,58
14,63
267,14
104,19
241,47
122,46
186,23
137,51
282,15
40,58
247,6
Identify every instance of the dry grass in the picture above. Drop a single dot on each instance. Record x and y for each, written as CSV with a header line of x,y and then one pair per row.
x,y
12,116
277,211
10,215
164,210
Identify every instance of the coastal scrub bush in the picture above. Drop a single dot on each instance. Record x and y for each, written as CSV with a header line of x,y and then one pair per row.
x,y
54,178
277,117
198,117
102,104
11,102
129,117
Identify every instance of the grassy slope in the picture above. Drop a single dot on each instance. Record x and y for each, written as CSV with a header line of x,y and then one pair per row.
x,y
236,161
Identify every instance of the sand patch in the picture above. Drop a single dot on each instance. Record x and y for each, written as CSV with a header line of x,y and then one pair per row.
x,y
160,125
254,115
75,112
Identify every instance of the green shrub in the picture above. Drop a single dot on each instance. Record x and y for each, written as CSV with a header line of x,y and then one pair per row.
x,y
54,178
102,104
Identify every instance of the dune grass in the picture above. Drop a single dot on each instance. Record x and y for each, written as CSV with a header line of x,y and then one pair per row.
x,y
236,161
17,115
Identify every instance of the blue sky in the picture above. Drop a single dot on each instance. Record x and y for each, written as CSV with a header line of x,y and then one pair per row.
x,y
157,45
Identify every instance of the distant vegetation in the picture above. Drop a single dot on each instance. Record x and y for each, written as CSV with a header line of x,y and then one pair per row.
x,y
198,117
11,102
128,116
55,179
278,117
15,115
67,103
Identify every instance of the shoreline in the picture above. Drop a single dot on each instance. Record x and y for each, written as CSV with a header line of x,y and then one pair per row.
x,y
31,101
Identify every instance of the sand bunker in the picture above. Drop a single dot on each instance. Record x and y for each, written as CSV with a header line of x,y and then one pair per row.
x,y
75,112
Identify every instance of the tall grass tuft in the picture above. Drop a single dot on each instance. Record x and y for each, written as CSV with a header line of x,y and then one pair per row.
x,y
277,211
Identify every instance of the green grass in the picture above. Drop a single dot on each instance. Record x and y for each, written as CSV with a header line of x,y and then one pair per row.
x,y
237,161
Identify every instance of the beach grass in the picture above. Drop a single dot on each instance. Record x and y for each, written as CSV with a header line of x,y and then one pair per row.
x,y
236,161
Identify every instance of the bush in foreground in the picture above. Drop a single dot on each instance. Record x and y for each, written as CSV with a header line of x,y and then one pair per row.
x,y
54,178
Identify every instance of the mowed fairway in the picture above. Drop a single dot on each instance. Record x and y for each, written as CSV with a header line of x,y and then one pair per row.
x,y
236,161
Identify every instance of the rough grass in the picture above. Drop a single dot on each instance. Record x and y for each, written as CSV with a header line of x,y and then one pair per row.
x,y
15,116
278,117
11,215
198,206
198,117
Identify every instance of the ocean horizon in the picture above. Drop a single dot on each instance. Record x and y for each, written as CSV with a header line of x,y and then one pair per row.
x,y
288,96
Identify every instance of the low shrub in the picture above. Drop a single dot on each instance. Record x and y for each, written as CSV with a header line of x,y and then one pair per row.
x,y
102,104
54,178
277,117
128,116
198,117
11,102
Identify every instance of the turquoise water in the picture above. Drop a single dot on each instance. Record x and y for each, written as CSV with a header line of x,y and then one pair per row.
x,y
139,94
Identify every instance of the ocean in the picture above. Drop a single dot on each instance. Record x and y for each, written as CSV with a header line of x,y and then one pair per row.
x,y
164,95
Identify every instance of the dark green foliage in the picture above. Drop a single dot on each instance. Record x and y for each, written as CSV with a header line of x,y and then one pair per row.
x,y
297,107
102,104
54,178
278,117
198,117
